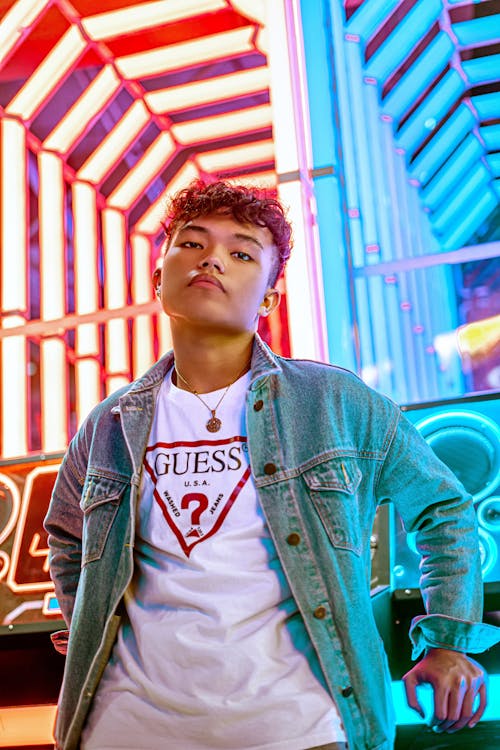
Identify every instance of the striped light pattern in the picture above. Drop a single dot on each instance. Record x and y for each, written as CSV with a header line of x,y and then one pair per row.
x,y
106,109
404,105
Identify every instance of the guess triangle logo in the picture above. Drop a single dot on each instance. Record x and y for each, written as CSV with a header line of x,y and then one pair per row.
x,y
196,484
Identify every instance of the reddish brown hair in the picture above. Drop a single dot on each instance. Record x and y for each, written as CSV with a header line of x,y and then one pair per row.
x,y
247,205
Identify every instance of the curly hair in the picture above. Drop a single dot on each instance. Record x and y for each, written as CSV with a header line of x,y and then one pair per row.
x,y
247,205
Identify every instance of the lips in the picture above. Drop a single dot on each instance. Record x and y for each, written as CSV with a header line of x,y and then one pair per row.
x,y
206,279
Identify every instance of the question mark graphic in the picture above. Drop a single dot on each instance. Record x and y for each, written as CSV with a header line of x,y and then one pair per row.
x,y
195,497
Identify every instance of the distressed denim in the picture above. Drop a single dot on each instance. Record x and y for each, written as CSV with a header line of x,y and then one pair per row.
x,y
325,450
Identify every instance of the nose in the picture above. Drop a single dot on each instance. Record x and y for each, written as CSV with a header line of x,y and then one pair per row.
x,y
211,262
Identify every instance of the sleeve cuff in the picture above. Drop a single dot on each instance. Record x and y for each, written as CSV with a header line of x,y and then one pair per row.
x,y
441,631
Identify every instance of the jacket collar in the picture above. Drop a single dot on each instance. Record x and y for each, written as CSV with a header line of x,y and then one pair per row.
x,y
264,362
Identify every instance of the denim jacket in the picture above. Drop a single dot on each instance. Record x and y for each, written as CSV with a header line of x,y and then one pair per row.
x,y
325,450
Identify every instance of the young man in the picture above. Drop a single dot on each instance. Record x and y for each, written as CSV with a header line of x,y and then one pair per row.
x,y
209,529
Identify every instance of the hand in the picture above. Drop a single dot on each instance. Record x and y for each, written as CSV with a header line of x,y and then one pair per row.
x,y
456,681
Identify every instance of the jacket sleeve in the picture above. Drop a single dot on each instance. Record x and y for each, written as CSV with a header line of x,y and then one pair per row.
x,y
63,523
435,505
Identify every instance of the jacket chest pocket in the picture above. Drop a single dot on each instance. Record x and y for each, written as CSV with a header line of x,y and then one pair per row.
x,y
100,501
332,487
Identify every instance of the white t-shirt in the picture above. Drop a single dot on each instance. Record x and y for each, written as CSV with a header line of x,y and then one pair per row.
x,y
213,653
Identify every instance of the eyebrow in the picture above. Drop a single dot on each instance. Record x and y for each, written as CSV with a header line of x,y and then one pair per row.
x,y
237,235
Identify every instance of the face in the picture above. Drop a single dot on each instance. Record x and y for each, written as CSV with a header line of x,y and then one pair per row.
x,y
216,272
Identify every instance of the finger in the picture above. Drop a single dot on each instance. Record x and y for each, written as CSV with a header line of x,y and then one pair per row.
x,y
461,709
481,708
410,684
441,712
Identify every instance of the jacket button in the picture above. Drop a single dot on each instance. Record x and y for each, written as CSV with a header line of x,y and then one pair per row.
x,y
347,691
320,613
293,539
270,469
258,405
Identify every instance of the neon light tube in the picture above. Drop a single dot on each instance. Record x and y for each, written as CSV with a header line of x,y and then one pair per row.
x,y
496,187
143,172
208,90
115,143
184,54
149,223
458,165
478,178
53,389
85,240
17,19
419,76
142,291
482,69
494,163
146,15
487,105
369,16
52,236
28,725
13,177
13,394
491,136
164,333
439,149
87,380
48,75
259,152
208,128
115,291
434,108
95,97
413,26
471,221
477,31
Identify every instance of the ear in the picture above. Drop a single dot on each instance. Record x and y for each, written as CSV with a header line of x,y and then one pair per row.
x,y
156,279
270,302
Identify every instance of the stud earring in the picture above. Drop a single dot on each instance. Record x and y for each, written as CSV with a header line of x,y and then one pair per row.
x,y
158,291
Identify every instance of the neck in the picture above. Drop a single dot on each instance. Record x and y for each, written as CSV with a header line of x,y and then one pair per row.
x,y
210,362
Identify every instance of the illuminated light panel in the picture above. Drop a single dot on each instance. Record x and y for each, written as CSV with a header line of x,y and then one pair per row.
x,y
496,187
150,220
14,396
27,726
115,143
412,27
266,180
184,54
142,291
164,332
481,70
48,74
433,108
419,77
209,128
87,378
443,144
366,19
91,102
477,31
301,304
52,239
491,137
84,202
208,90
53,391
114,239
143,172
238,156
487,105
494,163
454,169
470,220
14,23
13,205
144,15
458,200
479,337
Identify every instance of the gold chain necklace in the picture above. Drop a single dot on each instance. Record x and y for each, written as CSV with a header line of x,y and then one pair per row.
x,y
214,423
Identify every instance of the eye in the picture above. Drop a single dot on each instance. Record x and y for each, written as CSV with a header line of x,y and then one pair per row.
x,y
190,244
241,255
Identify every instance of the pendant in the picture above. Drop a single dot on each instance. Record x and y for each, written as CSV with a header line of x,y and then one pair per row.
x,y
213,424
